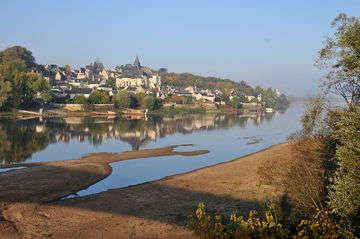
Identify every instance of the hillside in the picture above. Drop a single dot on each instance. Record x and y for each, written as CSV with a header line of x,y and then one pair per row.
x,y
201,82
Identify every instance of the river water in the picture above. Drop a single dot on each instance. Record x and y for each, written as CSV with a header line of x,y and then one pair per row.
x,y
226,137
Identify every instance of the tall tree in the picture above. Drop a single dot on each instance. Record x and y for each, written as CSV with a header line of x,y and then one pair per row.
x,y
20,87
17,53
341,58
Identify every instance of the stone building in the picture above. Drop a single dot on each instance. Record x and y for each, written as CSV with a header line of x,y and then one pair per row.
x,y
137,76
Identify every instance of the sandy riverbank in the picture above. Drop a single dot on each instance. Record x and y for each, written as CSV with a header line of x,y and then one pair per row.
x,y
151,210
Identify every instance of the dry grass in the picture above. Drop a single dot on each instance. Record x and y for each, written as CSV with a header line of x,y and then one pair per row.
x,y
301,175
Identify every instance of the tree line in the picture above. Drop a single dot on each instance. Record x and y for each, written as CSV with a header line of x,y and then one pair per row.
x,y
121,100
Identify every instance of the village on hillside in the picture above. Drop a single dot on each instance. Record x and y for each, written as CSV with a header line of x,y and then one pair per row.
x,y
69,85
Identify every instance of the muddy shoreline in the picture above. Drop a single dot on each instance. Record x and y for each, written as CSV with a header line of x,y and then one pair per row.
x,y
157,209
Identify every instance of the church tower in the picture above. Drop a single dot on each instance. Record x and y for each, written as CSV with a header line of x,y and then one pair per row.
x,y
137,62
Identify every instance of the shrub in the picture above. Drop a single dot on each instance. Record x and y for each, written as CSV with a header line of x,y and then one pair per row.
x,y
99,97
236,102
122,100
207,225
152,103
321,225
80,99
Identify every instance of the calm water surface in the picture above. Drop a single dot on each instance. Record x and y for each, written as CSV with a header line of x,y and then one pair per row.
x,y
226,137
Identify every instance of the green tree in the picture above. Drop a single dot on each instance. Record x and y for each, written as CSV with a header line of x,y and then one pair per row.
x,y
111,82
236,102
340,57
5,89
27,87
122,100
140,99
8,69
23,88
345,193
282,102
222,97
268,96
99,97
80,99
258,90
17,53
152,103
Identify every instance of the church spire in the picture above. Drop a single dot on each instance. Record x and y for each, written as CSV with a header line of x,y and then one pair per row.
x,y
137,62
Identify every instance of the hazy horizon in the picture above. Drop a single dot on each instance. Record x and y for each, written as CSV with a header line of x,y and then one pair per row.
x,y
261,43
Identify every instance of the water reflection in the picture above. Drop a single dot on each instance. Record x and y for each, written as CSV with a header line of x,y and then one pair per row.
x,y
20,139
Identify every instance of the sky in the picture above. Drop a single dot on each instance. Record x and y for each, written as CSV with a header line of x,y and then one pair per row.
x,y
266,43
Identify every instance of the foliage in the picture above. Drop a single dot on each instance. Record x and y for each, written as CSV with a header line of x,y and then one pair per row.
x,y
345,193
111,82
341,57
80,99
201,82
222,97
281,102
124,99
271,100
99,97
18,53
312,119
152,103
321,225
236,102
206,225
26,87
22,88
5,89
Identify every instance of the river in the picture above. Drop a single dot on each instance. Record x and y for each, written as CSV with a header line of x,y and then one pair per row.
x,y
225,136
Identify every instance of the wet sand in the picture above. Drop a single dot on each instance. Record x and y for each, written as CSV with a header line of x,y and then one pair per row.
x,y
158,209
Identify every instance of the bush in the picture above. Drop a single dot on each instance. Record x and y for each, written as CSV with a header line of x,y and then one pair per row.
x,y
125,99
80,99
207,225
320,225
122,100
152,103
236,102
99,97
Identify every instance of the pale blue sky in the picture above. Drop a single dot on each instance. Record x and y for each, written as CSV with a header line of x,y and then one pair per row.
x,y
271,43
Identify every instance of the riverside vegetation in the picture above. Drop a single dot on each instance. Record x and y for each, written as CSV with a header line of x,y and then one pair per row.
x,y
321,179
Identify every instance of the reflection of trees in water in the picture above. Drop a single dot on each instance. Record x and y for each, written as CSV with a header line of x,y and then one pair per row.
x,y
19,139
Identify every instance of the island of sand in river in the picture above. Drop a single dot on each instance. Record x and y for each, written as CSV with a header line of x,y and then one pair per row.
x,y
31,205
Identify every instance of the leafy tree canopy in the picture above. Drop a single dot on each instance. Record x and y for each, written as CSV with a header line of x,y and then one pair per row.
x,y
341,58
18,53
